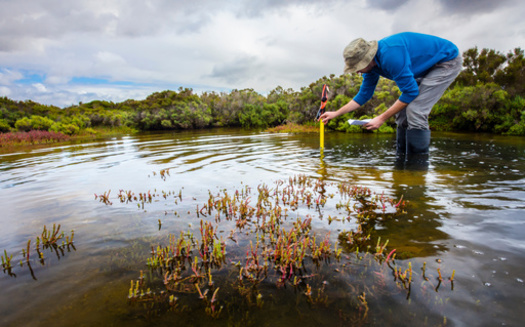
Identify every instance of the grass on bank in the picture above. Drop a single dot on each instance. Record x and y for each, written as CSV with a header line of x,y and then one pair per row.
x,y
294,128
340,126
37,137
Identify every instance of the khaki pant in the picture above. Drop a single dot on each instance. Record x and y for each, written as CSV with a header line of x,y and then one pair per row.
x,y
431,88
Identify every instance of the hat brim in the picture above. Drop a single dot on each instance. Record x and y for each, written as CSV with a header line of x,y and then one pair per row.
x,y
367,59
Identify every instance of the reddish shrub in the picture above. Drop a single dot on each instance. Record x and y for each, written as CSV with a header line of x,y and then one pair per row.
x,y
31,137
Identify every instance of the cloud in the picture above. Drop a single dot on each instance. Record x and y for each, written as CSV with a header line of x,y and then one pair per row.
x,y
41,88
388,5
470,7
118,49
237,70
24,22
454,7
5,91
8,76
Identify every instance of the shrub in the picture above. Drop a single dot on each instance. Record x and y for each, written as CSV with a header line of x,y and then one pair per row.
x,y
385,129
4,126
23,124
518,130
68,129
41,123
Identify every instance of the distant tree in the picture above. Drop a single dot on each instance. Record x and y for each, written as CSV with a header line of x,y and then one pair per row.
x,y
512,76
487,96
480,67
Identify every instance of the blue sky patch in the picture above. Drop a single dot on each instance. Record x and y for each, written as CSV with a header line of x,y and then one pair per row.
x,y
31,78
99,81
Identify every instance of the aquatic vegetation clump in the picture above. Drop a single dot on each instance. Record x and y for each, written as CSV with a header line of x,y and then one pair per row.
x,y
50,239
279,238
141,198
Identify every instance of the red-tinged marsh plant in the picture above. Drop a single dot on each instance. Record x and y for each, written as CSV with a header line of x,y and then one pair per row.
x,y
51,239
274,240
31,138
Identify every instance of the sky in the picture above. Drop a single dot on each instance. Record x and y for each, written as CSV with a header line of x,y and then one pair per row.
x,y
60,53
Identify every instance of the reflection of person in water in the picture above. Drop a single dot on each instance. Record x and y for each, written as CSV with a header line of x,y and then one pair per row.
x,y
422,66
418,233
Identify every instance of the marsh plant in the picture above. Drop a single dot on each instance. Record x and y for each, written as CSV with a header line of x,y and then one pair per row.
x,y
53,240
279,238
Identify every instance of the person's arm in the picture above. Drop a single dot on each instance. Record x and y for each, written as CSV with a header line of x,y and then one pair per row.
x,y
365,93
376,122
329,115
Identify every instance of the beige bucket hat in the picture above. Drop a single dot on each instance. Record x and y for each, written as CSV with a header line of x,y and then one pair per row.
x,y
358,54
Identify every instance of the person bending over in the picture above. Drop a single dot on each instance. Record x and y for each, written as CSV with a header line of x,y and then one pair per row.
x,y
422,66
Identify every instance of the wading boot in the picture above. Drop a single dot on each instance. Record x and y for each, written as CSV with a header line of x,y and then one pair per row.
x,y
401,148
418,142
401,141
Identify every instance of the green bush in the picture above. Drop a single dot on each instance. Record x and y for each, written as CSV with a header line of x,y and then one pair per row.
x,y
472,108
41,123
518,130
269,114
385,129
4,126
90,130
67,129
347,128
250,117
23,124
166,123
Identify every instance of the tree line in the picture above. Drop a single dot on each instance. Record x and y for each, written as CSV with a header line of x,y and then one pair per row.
x,y
488,96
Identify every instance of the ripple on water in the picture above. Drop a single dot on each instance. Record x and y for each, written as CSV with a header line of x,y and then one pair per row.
x,y
466,207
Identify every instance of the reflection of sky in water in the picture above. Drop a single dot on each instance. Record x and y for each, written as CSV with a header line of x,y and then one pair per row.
x,y
466,208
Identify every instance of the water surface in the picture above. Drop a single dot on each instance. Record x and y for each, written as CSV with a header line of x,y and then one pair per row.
x,y
466,214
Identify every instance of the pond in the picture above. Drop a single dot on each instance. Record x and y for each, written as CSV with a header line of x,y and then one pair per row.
x,y
439,244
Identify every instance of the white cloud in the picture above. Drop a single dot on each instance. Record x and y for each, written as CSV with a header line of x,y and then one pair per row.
x,y
106,57
40,87
5,91
8,76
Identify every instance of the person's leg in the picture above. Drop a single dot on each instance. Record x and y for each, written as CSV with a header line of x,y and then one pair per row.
x,y
401,144
431,88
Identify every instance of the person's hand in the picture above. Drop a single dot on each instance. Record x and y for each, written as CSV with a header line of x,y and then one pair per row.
x,y
373,124
327,116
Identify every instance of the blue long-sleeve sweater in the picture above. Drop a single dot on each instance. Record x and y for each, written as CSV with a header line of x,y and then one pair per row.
x,y
402,58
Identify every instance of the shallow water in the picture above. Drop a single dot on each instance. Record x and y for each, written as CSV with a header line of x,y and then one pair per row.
x,y
465,214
